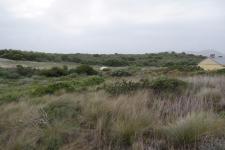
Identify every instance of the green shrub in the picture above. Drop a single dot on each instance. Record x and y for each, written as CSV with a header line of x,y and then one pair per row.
x,y
115,63
121,73
123,87
52,88
86,69
158,85
18,72
68,86
186,68
55,72
160,59
25,71
164,84
8,73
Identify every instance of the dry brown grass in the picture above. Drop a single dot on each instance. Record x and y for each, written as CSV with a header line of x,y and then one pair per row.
x,y
19,125
141,120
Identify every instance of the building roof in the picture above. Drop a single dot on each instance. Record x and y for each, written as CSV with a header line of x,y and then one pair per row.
x,y
220,60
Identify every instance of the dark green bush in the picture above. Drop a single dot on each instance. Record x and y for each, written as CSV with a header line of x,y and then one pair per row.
x,y
25,71
121,73
115,63
15,73
8,73
18,72
86,69
164,84
55,72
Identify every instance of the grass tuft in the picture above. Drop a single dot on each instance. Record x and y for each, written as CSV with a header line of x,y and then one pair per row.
x,y
190,129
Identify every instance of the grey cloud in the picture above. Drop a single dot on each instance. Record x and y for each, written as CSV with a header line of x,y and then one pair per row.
x,y
127,26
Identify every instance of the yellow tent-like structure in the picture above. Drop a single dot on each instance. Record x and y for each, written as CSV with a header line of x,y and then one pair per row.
x,y
213,63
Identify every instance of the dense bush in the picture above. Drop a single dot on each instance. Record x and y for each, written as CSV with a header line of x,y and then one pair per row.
x,y
160,59
164,84
25,71
120,73
21,71
18,72
115,63
86,69
158,85
55,72
30,56
8,73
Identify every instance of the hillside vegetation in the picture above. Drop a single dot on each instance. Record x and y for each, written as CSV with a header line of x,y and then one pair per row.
x,y
164,59
178,107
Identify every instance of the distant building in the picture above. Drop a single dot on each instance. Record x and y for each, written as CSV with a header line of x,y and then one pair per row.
x,y
213,63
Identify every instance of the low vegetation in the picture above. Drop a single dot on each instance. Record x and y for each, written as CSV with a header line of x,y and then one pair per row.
x,y
68,86
95,120
164,59
192,128
85,69
164,84
158,85
55,72
123,87
121,73
21,71
161,107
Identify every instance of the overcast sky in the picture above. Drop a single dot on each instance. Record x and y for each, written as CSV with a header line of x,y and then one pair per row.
x,y
112,26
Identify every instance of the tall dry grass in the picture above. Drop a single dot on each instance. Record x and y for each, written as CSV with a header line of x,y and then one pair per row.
x,y
141,120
